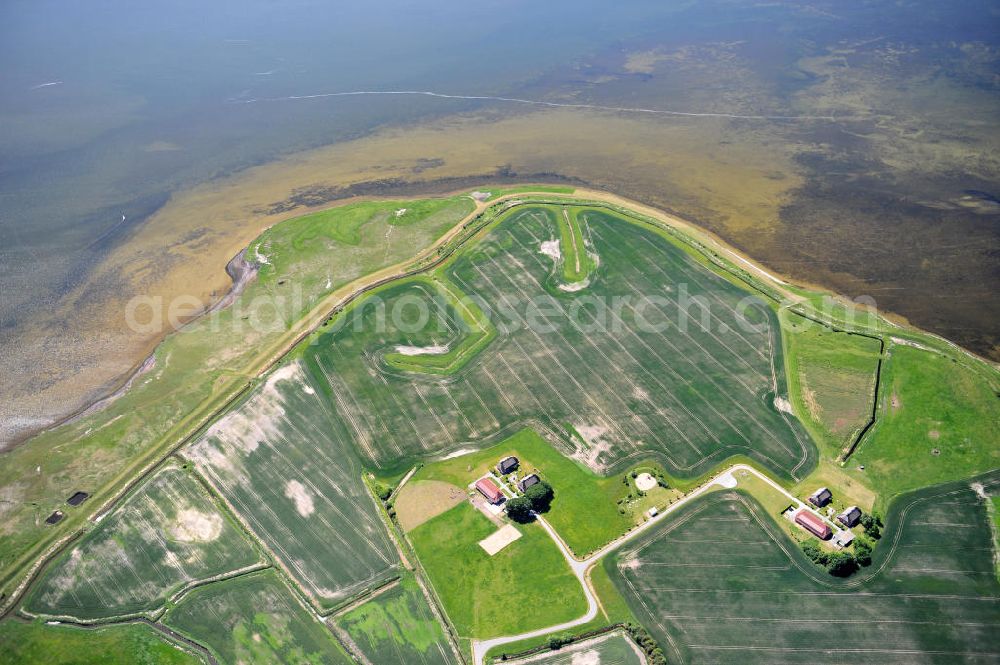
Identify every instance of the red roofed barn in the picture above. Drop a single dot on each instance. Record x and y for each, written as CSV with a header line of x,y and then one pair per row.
x,y
813,524
489,489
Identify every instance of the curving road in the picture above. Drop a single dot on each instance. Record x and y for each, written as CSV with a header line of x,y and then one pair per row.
x,y
581,567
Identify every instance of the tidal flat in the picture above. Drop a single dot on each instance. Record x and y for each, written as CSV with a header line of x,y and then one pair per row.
x,y
874,172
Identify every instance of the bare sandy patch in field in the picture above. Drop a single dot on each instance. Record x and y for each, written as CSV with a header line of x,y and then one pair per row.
x,y
194,526
596,445
630,563
301,497
575,286
459,453
588,657
433,350
550,248
782,404
645,482
499,539
422,500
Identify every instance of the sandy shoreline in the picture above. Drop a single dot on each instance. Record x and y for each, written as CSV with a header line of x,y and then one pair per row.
x,y
240,272
181,248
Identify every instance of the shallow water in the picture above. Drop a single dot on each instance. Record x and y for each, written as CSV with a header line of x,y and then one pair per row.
x,y
108,110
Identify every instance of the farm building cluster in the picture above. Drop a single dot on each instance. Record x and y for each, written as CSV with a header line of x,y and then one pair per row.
x,y
489,486
813,522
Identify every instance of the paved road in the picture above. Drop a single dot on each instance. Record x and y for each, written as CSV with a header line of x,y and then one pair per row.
x,y
580,567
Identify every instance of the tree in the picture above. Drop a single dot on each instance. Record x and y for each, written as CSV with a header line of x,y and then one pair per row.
x,y
841,564
519,509
540,495
863,551
872,524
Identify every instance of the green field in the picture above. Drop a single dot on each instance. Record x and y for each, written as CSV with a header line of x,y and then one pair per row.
x,y
398,628
936,422
197,371
289,470
473,332
634,379
130,644
721,583
614,649
165,536
578,490
252,620
831,380
525,586
995,518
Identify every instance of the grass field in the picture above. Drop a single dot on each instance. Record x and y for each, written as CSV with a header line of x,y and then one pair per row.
x,y
612,649
255,620
130,644
288,469
577,263
937,422
525,586
720,583
637,381
831,380
398,628
166,535
578,490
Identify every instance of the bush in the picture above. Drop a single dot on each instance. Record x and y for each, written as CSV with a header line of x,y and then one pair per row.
x,y
540,496
519,509
382,491
811,548
559,641
654,655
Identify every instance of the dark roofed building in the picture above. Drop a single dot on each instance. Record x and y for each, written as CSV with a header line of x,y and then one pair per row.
x,y
850,517
813,524
507,464
820,497
528,481
489,489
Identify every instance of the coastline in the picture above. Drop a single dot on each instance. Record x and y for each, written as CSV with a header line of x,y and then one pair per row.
x,y
240,272
80,350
